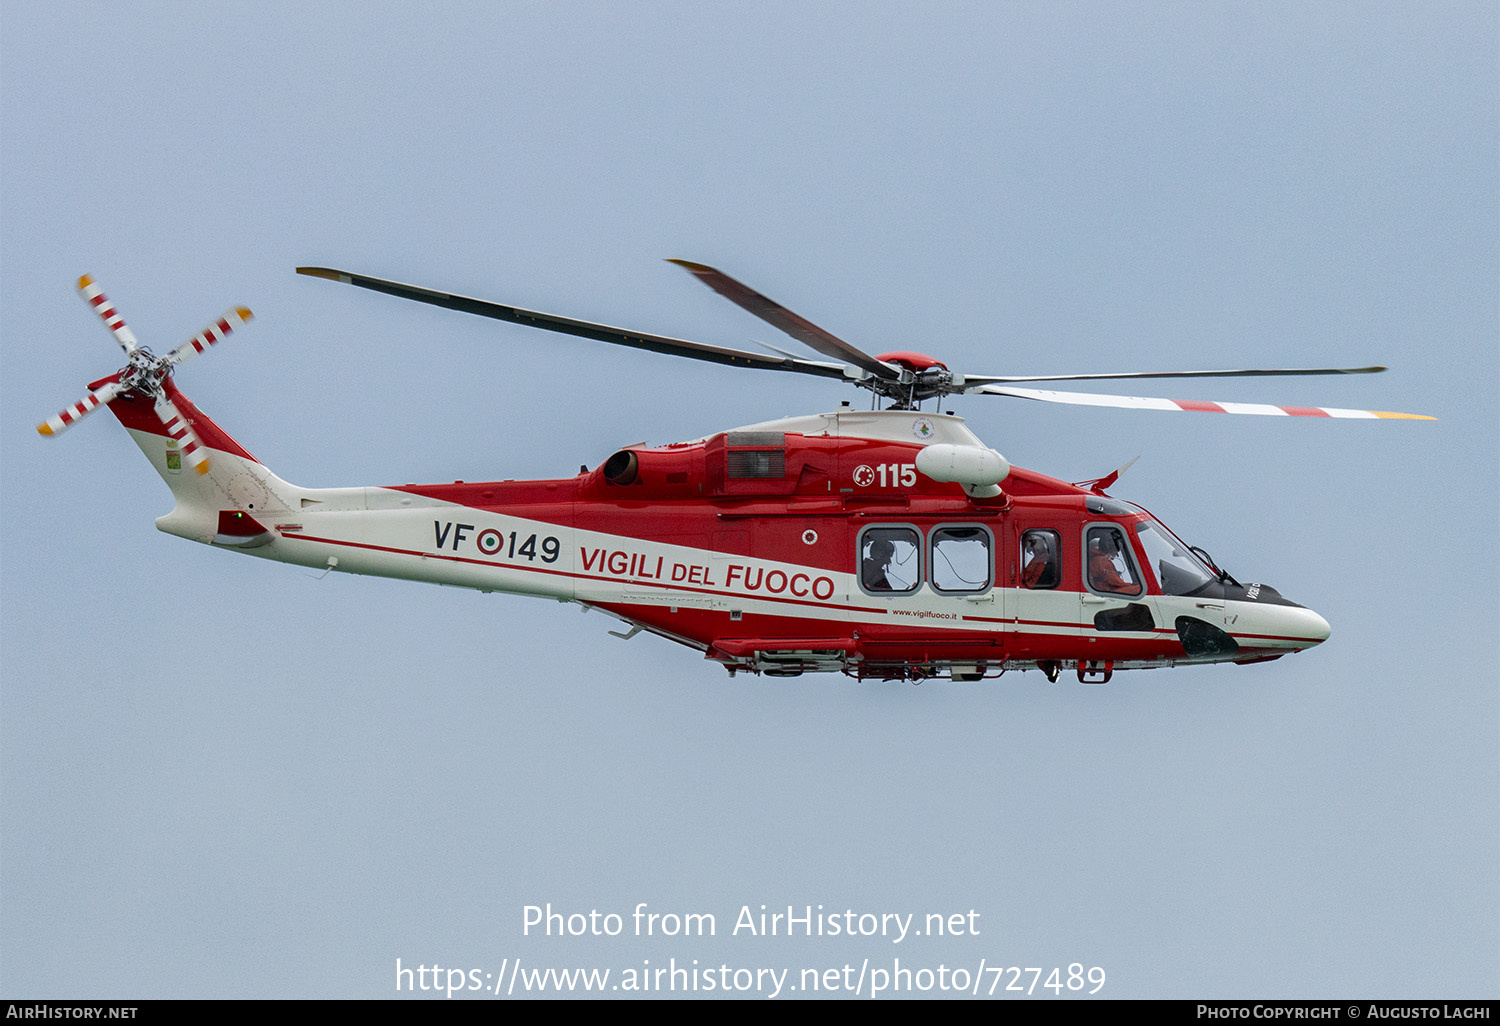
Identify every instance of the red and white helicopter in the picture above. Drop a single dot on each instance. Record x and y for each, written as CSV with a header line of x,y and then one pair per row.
x,y
890,543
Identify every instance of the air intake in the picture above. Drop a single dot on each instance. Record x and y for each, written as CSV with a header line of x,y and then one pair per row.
x,y
756,463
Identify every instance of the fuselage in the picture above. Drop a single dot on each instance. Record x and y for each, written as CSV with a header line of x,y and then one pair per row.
x,y
809,543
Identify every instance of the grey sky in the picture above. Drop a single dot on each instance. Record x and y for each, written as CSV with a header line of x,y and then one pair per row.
x,y
219,777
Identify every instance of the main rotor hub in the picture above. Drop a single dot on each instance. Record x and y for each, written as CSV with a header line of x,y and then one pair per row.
x,y
912,360
920,377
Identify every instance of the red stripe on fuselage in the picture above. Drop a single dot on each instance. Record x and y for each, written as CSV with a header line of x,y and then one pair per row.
x,y
579,576
1088,630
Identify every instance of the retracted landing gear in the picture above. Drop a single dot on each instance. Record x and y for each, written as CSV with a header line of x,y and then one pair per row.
x,y
1051,669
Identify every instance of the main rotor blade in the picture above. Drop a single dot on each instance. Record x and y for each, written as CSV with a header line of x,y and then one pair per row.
x,y
987,379
60,422
96,298
211,335
1136,402
773,313
583,329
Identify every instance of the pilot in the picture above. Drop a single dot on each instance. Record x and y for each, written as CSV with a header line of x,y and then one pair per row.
x,y
1104,569
1038,569
877,557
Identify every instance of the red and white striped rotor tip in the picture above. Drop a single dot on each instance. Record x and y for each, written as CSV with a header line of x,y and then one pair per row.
x,y
181,432
60,422
106,311
211,335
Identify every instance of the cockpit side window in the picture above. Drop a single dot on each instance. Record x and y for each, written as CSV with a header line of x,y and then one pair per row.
x,y
1041,559
961,559
890,560
1110,569
1177,570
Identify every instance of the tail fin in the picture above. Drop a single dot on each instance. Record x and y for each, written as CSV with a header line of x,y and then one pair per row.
x,y
232,481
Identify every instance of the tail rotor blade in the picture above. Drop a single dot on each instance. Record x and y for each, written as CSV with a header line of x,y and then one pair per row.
x,y
211,335
106,311
60,422
180,431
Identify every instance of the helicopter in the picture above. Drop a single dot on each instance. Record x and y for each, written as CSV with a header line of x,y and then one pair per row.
x,y
886,544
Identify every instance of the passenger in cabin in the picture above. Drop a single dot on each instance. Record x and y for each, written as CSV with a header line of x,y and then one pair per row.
x,y
1107,572
878,556
1040,569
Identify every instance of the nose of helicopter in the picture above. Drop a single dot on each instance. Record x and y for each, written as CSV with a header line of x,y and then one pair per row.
x,y
1305,627
1281,622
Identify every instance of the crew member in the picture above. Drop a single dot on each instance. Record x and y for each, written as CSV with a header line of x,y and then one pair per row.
x,y
878,556
1038,571
1105,569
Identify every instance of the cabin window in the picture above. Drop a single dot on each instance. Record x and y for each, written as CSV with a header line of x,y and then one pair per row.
x,y
1110,570
961,559
890,560
1041,559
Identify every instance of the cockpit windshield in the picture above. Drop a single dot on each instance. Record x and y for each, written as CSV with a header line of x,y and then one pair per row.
x,y
1178,570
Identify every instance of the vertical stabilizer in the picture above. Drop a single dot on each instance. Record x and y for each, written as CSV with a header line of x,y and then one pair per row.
x,y
229,480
